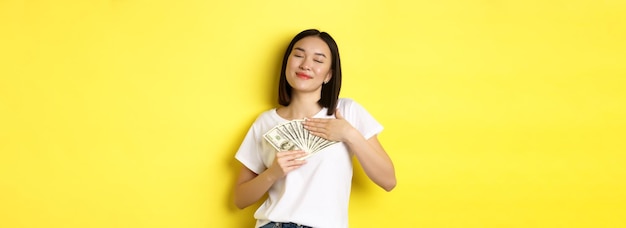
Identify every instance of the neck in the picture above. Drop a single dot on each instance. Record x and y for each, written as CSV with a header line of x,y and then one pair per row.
x,y
301,107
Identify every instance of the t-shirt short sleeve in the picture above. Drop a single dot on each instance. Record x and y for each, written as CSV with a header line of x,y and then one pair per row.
x,y
249,154
360,118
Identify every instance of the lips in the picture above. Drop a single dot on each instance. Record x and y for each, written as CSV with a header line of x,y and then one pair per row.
x,y
303,75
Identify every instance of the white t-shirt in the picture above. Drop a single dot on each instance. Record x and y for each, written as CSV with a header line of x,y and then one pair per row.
x,y
316,194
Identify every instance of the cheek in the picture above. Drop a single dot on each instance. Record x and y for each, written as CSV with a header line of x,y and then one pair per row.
x,y
322,70
293,63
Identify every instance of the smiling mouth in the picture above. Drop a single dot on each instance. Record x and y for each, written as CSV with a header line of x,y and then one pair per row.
x,y
303,76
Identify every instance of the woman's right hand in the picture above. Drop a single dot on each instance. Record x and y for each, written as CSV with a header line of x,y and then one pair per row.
x,y
251,187
287,161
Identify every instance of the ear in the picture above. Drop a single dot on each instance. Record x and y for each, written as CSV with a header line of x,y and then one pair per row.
x,y
328,76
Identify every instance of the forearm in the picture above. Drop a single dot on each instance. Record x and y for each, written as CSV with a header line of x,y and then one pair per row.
x,y
374,160
249,192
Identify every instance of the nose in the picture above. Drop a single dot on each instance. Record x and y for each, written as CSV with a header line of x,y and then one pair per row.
x,y
304,65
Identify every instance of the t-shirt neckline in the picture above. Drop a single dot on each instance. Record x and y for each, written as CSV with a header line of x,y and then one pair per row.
x,y
275,112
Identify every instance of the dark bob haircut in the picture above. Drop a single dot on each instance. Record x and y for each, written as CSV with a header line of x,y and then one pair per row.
x,y
330,90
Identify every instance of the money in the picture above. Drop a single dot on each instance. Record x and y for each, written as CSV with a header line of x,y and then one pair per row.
x,y
291,135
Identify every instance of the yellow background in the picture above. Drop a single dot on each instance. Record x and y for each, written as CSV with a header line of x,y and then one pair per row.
x,y
498,113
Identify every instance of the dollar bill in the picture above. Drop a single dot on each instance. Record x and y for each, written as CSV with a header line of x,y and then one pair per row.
x,y
279,141
291,135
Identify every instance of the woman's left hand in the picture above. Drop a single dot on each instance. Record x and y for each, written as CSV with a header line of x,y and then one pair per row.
x,y
334,129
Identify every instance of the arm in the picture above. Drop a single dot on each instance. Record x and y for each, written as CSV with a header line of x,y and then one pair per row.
x,y
369,152
374,160
250,187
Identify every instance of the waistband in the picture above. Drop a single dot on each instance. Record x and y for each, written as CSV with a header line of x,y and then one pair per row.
x,y
287,225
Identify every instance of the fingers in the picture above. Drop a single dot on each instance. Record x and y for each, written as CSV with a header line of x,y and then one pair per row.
x,y
317,131
288,159
313,127
316,121
316,124
338,114
318,127
290,154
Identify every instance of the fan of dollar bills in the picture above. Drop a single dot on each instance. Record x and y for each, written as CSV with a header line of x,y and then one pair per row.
x,y
292,136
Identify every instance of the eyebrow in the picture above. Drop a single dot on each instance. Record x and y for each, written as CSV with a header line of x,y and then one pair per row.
x,y
317,53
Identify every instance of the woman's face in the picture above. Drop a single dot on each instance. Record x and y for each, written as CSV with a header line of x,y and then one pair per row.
x,y
308,65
